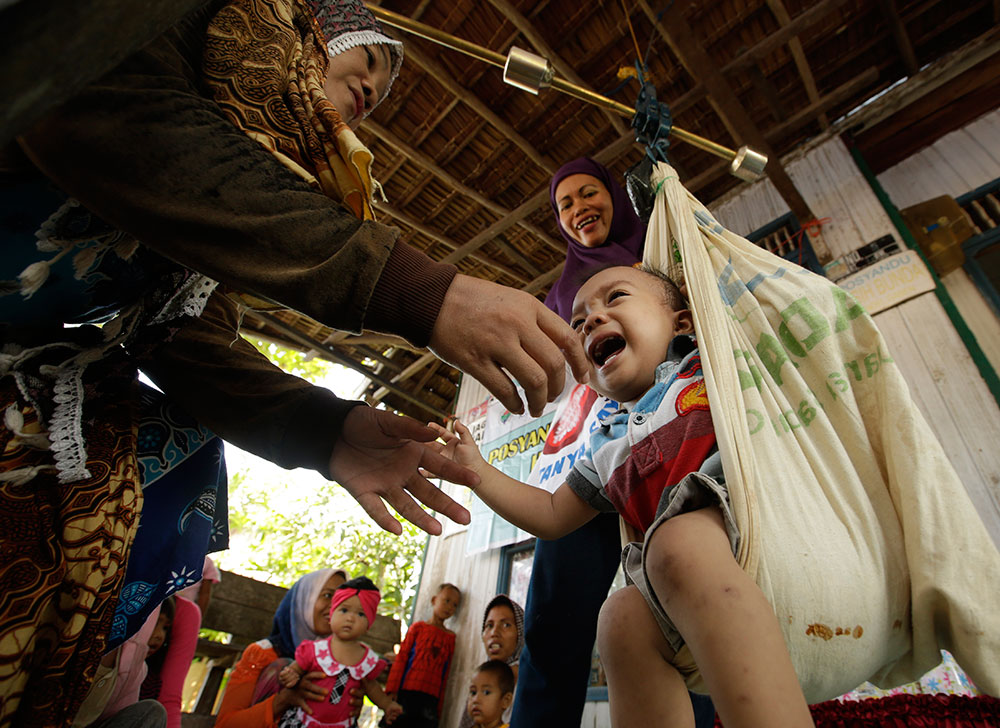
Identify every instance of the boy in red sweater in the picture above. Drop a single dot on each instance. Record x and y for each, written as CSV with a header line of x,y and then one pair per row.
x,y
420,671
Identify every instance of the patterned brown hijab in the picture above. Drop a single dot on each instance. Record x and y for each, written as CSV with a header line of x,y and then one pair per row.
x,y
265,62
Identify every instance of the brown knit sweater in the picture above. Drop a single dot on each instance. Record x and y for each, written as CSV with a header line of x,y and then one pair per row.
x,y
146,149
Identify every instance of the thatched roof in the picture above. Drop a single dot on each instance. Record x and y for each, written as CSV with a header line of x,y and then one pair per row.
x,y
465,159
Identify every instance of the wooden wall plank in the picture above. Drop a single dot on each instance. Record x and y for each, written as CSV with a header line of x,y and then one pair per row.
x,y
978,314
955,164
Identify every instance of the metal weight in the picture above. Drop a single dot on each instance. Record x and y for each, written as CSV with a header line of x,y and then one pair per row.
x,y
747,165
527,71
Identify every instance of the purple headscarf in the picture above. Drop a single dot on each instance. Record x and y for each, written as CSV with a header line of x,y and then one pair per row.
x,y
623,246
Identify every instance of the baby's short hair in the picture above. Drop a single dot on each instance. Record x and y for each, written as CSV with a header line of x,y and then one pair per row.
x,y
447,585
671,293
502,672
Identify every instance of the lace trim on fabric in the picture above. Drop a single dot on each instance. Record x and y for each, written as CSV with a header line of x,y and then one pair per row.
x,y
189,300
65,430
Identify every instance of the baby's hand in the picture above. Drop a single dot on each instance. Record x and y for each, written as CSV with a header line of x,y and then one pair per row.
x,y
288,677
392,711
459,445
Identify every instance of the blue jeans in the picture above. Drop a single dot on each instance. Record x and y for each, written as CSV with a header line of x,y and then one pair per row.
x,y
570,579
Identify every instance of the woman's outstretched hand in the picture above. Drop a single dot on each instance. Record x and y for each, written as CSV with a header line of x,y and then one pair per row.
x,y
383,458
488,330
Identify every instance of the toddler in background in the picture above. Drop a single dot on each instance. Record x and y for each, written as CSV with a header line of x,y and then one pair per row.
x,y
345,661
491,691
419,674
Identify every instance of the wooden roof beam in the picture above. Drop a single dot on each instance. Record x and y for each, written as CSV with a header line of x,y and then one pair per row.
x,y
562,67
444,78
799,56
425,161
903,45
438,237
839,95
680,37
750,57
796,26
336,357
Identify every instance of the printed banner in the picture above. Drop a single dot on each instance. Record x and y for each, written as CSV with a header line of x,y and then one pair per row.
x,y
539,452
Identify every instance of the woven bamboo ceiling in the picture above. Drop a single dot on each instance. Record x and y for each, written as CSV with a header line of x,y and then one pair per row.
x,y
465,159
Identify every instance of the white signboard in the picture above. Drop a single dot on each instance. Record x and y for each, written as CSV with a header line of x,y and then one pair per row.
x,y
889,282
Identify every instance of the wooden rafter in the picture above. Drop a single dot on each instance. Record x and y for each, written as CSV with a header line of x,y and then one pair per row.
x,y
562,67
900,36
423,160
799,56
674,29
445,79
429,232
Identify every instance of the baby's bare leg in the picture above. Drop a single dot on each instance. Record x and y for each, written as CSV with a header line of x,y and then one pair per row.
x,y
726,622
643,688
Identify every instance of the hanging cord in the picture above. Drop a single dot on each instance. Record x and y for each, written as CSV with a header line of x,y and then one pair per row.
x,y
631,30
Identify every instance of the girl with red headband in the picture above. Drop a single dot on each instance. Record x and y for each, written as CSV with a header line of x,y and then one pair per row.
x,y
346,662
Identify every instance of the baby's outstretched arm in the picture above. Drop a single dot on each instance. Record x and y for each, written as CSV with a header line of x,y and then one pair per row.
x,y
291,674
375,693
546,515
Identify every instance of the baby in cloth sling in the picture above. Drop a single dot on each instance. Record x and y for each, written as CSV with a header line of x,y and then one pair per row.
x,y
657,463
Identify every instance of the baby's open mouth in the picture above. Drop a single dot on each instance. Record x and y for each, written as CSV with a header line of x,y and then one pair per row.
x,y
603,349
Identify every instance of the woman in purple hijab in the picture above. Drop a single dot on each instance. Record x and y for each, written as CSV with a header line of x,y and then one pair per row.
x,y
585,187
571,576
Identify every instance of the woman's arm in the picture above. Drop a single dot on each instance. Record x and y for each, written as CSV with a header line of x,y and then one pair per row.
x,y
180,651
237,709
537,511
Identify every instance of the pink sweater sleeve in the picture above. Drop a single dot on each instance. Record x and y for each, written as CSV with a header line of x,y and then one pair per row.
x,y
183,640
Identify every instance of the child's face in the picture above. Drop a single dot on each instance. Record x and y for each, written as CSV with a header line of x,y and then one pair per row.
x,y
159,635
321,610
585,209
486,701
500,633
348,621
625,326
445,603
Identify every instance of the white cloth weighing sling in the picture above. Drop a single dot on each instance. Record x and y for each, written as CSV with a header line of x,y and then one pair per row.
x,y
852,520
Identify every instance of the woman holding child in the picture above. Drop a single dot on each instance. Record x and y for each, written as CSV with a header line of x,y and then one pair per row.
x,y
503,640
253,697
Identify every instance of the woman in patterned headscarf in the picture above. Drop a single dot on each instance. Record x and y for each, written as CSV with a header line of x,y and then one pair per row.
x,y
218,148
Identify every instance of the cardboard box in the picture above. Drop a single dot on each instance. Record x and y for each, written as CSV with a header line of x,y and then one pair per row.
x,y
940,227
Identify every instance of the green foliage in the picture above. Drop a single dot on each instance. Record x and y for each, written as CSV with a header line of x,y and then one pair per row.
x,y
285,524
214,635
288,530
292,361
